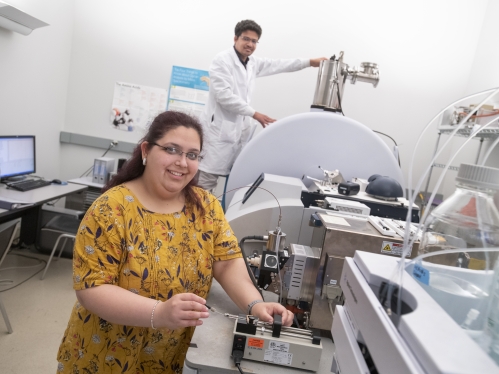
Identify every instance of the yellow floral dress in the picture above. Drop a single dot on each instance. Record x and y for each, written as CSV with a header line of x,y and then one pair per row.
x,y
153,255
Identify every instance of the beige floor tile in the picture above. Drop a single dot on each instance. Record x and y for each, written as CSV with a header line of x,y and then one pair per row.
x,y
38,312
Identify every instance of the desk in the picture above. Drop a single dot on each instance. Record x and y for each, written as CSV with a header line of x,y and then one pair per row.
x,y
211,344
86,181
30,214
92,193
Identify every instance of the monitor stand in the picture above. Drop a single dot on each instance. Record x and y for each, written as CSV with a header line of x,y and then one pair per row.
x,y
13,179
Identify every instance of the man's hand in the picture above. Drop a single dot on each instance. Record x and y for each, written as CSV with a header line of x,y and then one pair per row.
x,y
263,119
315,62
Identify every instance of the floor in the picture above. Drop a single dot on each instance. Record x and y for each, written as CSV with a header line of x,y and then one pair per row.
x,y
38,311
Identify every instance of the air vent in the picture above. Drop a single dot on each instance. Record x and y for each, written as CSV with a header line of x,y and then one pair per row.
x,y
349,210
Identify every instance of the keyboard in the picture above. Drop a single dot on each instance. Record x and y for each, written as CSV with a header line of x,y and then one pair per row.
x,y
29,184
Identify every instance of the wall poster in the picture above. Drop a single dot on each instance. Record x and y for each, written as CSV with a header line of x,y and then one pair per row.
x,y
135,106
188,90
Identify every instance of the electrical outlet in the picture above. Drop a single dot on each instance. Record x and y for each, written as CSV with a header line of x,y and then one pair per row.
x,y
114,143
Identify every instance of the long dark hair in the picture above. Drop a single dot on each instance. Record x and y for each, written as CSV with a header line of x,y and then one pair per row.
x,y
163,123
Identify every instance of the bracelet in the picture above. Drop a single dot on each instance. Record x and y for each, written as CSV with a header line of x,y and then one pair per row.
x,y
252,304
152,314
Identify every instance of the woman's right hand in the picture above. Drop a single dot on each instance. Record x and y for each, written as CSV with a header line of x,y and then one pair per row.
x,y
182,310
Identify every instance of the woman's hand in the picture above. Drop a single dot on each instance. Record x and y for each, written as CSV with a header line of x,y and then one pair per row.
x,y
181,310
266,311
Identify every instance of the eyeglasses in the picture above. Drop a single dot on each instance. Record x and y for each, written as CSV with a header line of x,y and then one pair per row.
x,y
246,39
193,156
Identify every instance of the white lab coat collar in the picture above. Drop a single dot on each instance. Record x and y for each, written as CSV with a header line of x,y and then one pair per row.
x,y
249,66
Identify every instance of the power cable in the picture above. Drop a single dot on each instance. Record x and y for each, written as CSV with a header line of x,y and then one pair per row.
x,y
393,140
27,279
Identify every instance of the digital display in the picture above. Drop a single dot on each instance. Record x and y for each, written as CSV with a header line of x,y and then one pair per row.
x,y
17,155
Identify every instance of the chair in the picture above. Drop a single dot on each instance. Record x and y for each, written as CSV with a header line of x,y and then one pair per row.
x,y
7,233
63,225
65,236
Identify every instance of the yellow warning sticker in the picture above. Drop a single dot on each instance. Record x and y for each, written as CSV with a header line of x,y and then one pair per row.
x,y
393,248
477,264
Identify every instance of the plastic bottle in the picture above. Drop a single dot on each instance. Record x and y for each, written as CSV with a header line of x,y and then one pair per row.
x,y
489,341
467,219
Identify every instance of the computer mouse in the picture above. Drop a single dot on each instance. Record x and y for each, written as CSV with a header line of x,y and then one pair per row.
x,y
57,181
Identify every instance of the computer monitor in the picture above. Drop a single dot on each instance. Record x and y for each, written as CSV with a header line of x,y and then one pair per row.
x,y
17,155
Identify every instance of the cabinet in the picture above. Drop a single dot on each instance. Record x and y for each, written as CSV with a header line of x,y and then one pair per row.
x,y
83,200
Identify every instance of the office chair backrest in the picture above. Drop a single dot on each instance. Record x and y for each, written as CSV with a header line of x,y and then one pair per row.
x,y
7,233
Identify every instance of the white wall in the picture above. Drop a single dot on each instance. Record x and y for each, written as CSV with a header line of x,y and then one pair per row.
x,y
34,72
485,70
417,46
483,75
425,50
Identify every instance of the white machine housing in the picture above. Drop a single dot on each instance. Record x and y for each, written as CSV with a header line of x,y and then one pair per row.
x,y
427,339
297,145
347,206
294,348
260,213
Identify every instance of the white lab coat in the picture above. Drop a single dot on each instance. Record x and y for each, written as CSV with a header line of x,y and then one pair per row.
x,y
231,86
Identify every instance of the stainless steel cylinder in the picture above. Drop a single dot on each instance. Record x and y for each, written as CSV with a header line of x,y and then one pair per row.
x,y
327,72
277,241
336,87
331,80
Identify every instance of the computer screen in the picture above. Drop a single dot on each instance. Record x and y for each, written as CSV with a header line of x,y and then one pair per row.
x,y
17,155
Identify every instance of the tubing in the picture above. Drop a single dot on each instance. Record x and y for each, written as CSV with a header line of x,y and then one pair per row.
x,y
420,182
250,273
412,196
439,182
430,200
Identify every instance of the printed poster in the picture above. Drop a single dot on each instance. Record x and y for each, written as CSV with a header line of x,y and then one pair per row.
x,y
188,90
135,106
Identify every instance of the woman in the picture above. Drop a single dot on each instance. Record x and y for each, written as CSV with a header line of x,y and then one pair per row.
x,y
144,258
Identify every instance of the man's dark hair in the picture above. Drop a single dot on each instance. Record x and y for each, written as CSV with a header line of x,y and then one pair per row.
x,y
246,25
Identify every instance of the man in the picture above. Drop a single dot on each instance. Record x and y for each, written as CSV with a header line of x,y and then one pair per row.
x,y
227,117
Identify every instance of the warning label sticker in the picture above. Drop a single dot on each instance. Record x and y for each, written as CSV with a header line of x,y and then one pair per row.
x,y
281,358
393,248
278,346
255,343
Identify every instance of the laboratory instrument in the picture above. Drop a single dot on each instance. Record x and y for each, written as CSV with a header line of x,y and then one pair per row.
x,y
276,344
331,79
414,310
332,141
318,238
369,337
